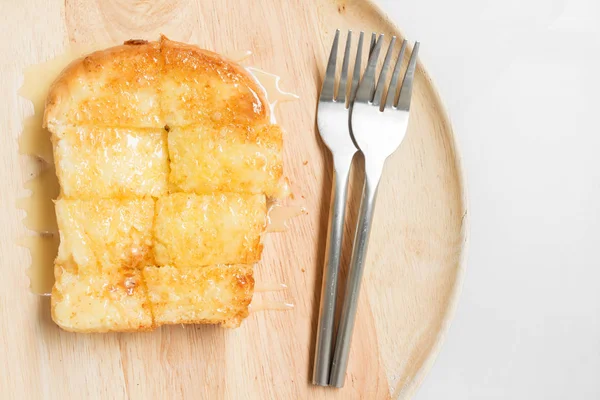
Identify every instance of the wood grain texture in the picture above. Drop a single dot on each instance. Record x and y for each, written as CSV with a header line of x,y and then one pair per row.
x,y
414,266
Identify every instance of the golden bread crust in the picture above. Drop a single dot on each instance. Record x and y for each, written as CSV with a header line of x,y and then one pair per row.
x,y
116,87
200,87
152,84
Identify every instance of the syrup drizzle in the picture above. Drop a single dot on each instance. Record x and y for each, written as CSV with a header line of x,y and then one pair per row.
x,y
269,305
270,85
269,287
239,56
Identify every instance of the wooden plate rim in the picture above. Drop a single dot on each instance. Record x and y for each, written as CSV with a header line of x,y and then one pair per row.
x,y
416,382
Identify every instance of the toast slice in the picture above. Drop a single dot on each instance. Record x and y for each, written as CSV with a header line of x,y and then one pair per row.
x,y
217,294
94,162
165,154
108,235
196,230
114,301
228,159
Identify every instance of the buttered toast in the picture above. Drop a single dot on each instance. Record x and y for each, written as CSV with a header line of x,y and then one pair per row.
x,y
165,155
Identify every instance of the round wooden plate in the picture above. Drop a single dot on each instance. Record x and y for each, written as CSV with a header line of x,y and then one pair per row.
x,y
414,266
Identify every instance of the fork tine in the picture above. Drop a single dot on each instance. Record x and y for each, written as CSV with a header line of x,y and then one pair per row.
x,y
327,91
366,88
378,98
356,72
341,94
371,47
393,89
373,41
407,82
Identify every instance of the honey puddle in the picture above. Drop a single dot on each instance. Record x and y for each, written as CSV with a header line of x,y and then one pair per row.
x,y
43,249
39,206
35,141
279,215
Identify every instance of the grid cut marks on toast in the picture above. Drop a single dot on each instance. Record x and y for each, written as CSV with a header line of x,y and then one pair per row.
x,y
116,117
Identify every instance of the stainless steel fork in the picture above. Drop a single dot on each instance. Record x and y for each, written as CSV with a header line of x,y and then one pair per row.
x,y
379,123
333,121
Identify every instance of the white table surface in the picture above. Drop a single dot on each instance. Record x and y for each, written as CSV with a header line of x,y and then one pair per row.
x,y
521,81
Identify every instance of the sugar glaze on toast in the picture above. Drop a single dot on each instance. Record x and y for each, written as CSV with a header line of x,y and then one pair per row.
x,y
165,155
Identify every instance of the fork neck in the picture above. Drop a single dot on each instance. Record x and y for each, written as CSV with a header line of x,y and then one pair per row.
x,y
343,159
373,171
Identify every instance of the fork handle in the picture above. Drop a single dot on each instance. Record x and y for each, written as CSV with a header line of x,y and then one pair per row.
x,y
355,273
333,250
